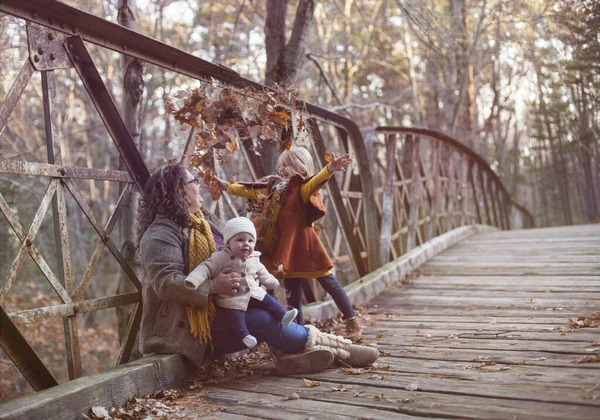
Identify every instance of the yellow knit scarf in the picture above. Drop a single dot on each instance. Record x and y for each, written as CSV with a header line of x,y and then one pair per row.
x,y
202,245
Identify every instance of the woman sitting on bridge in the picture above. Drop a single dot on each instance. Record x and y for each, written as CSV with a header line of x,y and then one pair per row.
x,y
174,237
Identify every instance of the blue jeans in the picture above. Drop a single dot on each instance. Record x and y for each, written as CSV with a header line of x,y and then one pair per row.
x,y
237,318
262,325
293,287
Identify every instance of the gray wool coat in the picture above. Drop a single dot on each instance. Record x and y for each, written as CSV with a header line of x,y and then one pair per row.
x,y
165,327
252,275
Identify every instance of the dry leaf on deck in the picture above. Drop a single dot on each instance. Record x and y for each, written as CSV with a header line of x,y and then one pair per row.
x,y
353,371
292,396
380,398
311,384
412,387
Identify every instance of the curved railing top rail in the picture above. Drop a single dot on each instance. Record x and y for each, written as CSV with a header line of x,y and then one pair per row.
x,y
457,145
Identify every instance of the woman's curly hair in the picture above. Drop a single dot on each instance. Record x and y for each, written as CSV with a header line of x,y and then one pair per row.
x,y
164,194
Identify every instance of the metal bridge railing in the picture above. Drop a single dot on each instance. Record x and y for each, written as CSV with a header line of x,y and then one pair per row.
x,y
427,183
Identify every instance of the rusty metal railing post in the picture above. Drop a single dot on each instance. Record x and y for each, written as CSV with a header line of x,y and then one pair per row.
x,y
387,201
434,228
61,233
414,194
474,191
23,356
107,110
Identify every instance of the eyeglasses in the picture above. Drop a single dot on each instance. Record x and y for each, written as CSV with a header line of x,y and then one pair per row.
x,y
195,181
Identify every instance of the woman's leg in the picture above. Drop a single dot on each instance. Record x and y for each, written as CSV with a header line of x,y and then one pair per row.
x,y
293,294
338,294
290,339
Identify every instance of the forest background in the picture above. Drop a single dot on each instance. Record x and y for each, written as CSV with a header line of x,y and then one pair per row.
x,y
515,80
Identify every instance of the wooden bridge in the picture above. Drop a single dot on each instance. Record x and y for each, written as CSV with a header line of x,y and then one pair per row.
x,y
500,325
475,322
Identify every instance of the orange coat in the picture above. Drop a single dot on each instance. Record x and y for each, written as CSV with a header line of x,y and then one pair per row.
x,y
296,245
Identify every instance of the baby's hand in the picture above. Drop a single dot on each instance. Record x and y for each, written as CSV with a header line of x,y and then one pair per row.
x,y
339,164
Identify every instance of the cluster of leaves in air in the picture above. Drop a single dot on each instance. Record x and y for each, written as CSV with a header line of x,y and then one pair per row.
x,y
226,117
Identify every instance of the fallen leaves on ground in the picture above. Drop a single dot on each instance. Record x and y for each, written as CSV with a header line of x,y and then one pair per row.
x,y
585,321
173,403
160,404
589,359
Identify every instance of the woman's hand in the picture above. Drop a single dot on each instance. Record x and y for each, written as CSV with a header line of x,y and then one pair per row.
x,y
340,163
225,282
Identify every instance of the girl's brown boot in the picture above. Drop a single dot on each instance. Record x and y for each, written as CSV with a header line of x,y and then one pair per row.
x,y
353,329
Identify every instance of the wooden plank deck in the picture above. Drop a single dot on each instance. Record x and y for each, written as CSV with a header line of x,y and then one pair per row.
x,y
483,332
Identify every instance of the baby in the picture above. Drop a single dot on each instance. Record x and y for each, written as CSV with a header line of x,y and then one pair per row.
x,y
239,236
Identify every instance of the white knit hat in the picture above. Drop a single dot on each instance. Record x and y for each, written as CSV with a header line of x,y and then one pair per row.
x,y
238,225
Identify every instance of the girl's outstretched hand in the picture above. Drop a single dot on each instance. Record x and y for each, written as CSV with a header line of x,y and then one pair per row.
x,y
221,184
339,164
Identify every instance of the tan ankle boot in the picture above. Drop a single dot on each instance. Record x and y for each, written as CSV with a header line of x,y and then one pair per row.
x,y
309,361
353,329
351,354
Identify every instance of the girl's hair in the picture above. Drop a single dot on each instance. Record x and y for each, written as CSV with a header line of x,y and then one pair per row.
x,y
296,160
164,194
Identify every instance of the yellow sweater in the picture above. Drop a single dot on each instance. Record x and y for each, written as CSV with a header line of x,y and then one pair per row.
x,y
306,190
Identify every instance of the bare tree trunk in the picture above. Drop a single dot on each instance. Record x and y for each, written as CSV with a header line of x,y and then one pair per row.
x,y
558,174
283,59
516,166
590,198
564,178
133,86
412,77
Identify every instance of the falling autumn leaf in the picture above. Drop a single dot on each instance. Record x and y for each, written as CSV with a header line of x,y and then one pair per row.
x,y
286,144
328,157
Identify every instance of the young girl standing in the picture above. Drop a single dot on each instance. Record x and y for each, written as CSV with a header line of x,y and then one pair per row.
x,y
287,238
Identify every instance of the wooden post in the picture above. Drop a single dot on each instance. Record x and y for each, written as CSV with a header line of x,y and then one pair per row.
x,y
387,201
434,228
414,195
